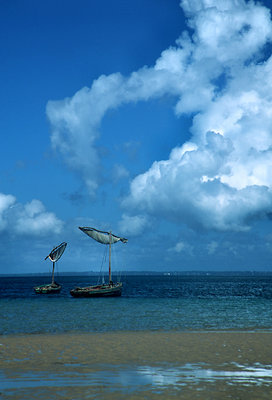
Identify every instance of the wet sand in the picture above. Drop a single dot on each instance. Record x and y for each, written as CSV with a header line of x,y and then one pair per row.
x,y
137,365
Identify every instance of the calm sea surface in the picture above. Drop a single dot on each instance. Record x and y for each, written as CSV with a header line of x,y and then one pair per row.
x,y
152,302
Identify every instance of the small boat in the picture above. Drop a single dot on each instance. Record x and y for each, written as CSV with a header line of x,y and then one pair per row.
x,y
54,256
106,289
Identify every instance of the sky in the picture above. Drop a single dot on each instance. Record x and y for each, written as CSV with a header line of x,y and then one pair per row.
x,y
152,119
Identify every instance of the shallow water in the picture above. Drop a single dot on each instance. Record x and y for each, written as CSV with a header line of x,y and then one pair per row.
x,y
135,378
120,365
164,338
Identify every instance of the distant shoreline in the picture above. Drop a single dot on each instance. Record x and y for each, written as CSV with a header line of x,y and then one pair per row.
x,y
146,273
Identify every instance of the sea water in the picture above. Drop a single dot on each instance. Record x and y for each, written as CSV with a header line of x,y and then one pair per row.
x,y
168,336
149,302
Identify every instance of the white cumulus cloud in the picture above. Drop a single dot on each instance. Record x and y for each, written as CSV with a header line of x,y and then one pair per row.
x,y
222,178
6,201
27,219
133,225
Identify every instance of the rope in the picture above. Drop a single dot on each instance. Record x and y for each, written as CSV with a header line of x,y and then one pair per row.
x,y
104,259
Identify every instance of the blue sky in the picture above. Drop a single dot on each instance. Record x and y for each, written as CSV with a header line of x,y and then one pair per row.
x,y
149,118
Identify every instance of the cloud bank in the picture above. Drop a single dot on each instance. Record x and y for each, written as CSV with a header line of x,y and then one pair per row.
x,y
220,75
26,219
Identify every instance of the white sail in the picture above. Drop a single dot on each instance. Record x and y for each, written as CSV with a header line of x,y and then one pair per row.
x,y
102,237
57,252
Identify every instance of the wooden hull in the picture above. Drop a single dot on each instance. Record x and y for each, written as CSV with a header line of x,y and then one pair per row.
x,y
98,291
48,289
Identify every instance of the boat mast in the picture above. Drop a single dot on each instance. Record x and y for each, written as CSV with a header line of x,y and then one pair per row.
x,y
110,260
53,271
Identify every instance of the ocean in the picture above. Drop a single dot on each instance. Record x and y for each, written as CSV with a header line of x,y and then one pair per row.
x,y
183,336
149,302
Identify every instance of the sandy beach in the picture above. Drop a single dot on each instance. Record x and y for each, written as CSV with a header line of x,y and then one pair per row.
x,y
137,365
